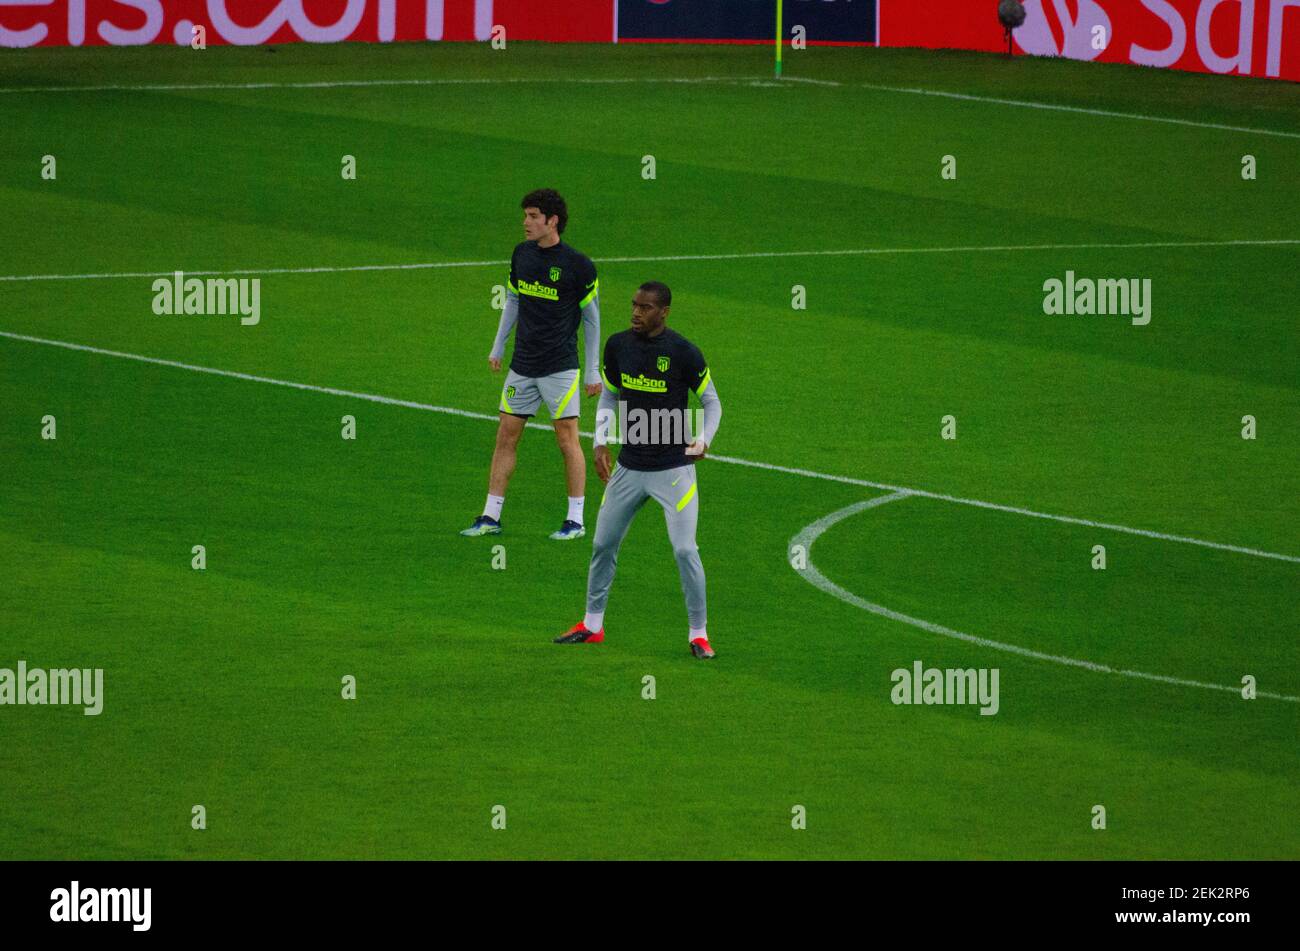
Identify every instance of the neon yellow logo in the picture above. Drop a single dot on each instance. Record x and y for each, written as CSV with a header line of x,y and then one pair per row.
x,y
644,383
539,290
662,364
555,274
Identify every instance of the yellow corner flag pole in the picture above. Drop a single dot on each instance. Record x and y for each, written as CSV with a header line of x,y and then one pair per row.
x,y
780,35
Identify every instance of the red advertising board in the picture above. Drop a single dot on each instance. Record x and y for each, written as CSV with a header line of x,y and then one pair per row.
x,y
252,22
1242,37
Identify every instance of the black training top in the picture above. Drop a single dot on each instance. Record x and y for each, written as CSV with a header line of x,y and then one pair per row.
x,y
553,285
654,373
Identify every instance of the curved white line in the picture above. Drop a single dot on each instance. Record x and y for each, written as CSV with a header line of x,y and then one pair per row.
x,y
811,533
998,507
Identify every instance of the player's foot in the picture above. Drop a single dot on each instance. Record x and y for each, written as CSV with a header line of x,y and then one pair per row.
x,y
580,635
701,649
483,525
569,531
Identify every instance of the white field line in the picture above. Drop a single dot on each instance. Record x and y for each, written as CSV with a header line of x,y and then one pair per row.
x,y
651,259
1014,510
770,467
807,80
1056,107
717,80
363,83
811,574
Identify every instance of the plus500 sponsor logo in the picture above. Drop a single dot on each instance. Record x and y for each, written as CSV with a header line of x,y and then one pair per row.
x,y
239,22
1225,35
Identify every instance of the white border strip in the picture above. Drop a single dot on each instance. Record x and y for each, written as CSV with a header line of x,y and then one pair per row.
x,y
813,576
807,473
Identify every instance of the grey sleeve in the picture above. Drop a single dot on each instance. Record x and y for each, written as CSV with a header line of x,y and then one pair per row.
x,y
712,407
508,318
591,335
606,414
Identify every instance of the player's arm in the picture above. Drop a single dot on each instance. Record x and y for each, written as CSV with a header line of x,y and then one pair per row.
x,y
509,317
606,414
590,304
710,404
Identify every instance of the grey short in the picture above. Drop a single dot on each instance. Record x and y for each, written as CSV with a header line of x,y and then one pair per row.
x,y
521,395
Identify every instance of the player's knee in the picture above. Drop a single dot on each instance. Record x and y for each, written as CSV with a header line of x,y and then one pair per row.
x,y
508,435
567,437
604,549
686,554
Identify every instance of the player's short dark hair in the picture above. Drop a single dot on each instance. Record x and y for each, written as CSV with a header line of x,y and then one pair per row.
x,y
549,202
660,290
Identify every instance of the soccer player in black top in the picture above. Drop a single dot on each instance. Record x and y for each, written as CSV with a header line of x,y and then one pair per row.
x,y
551,289
649,373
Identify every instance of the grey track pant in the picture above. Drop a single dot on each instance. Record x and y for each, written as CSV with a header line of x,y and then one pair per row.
x,y
625,493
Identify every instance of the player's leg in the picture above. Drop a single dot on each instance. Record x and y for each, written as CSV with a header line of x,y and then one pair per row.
x,y
677,492
625,493
575,478
560,391
505,454
519,399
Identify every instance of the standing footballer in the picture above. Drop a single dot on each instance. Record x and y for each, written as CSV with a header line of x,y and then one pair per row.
x,y
552,287
651,371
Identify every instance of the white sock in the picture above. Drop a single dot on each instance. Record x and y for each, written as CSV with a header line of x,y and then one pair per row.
x,y
493,507
593,622
575,512
697,633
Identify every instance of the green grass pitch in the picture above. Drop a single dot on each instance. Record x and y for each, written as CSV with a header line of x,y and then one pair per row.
x,y
328,557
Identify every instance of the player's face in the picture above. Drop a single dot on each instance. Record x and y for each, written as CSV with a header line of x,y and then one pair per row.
x,y
535,224
647,315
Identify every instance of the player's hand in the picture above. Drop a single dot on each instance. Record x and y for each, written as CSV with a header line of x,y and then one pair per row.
x,y
495,364
603,461
697,449
591,389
